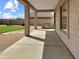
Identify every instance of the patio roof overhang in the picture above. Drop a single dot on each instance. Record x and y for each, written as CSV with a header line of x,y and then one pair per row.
x,y
41,5
38,6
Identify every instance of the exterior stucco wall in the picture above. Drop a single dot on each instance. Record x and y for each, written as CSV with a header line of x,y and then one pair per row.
x,y
73,41
43,22
52,22
40,21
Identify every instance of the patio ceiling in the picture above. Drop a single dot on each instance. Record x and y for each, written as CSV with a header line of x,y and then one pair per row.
x,y
43,4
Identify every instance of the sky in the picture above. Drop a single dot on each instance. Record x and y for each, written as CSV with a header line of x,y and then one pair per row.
x,y
11,9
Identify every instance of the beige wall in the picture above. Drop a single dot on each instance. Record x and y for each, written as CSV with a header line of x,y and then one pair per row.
x,y
52,21
39,21
43,22
73,41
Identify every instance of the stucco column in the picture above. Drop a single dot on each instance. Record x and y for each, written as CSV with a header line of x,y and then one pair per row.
x,y
35,21
27,19
55,20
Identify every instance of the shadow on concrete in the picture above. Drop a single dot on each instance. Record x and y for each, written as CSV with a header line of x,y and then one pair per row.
x,y
54,48
37,38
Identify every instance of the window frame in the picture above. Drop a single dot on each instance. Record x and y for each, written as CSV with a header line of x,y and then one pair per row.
x,y
67,24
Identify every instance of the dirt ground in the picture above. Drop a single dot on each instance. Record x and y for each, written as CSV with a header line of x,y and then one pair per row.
x,y
7,39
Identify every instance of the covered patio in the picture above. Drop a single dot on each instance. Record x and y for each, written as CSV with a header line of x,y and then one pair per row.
x,y
46,45
38,44
43,7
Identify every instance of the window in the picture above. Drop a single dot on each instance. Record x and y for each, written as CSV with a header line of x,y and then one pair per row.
x,y
64,17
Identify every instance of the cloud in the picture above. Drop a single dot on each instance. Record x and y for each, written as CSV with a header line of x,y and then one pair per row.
x,y
12,5
8,16
0,14
22,15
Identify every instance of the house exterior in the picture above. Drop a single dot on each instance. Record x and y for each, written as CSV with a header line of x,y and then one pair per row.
x,y
71,38
66,17
43,19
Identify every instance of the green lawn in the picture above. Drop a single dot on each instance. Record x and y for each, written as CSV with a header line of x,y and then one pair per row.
x,y
10,28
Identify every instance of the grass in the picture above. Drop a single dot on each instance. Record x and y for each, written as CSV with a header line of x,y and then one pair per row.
x,y
10,28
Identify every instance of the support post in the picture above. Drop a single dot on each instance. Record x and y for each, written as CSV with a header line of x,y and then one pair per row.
x,y
27,19
55,20
35,21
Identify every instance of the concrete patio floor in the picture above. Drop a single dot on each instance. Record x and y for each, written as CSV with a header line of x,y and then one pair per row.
x,y
42,44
